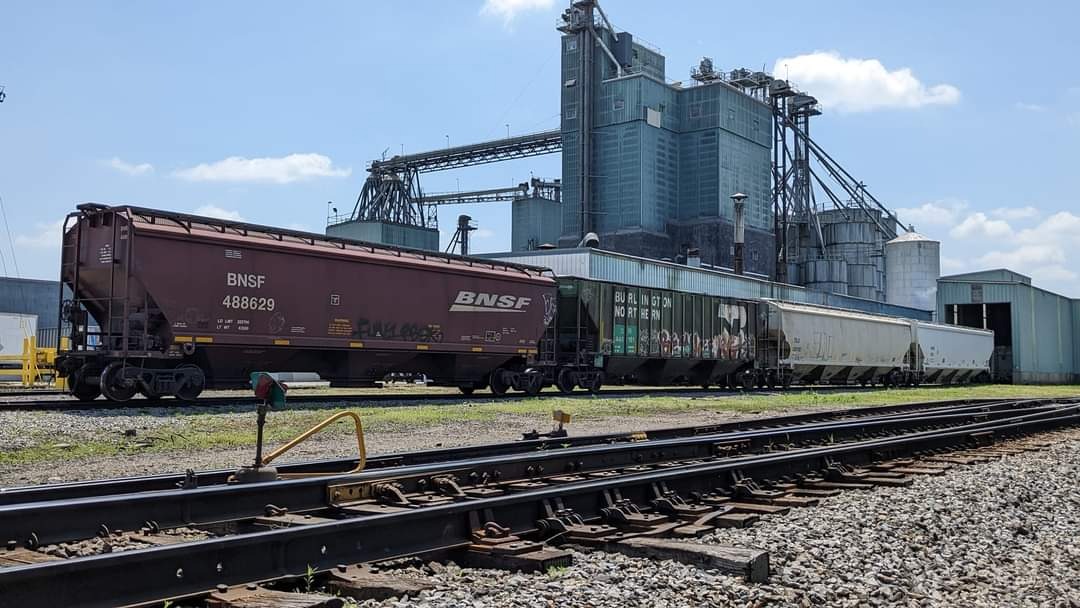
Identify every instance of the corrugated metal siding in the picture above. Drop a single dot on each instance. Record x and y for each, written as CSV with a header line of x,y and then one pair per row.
x,y
1045,346
629,270
1075,306
31,297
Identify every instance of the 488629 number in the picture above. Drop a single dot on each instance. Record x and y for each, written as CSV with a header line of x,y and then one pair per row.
x,y
238,302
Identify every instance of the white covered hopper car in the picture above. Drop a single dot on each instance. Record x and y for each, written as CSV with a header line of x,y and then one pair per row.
x,y
950,353
813,344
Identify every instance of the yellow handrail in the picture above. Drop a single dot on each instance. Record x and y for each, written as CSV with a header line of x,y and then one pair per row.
x,y
315,429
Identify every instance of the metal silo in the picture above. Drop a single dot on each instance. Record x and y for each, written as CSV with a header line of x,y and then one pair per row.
x,y
829,275
854,241
912,268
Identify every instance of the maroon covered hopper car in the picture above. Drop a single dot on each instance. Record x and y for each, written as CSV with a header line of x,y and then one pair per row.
x,y
166,303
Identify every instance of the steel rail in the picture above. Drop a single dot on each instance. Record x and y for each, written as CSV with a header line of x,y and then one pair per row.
x,y
141,576
40,523
170,481
400,399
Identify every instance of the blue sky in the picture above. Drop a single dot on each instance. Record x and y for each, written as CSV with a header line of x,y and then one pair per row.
x,y
964,116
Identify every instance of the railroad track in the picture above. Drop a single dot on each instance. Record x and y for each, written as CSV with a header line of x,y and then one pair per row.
x,y
491,508
202,479
70,403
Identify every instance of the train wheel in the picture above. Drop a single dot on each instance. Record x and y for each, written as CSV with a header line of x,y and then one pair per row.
x,y
114,383
748,382
534,382
467,390
193,383
595,383
80,387
499,383
564,381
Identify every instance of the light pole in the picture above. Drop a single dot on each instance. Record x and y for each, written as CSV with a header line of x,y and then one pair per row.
x,y
739,201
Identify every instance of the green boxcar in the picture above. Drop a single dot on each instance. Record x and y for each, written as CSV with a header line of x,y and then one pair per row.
x,y
656,336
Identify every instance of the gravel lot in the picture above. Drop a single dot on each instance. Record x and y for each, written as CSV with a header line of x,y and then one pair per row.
x,y
1005,533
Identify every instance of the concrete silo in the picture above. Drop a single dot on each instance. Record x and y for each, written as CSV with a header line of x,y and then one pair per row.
x,y
912,268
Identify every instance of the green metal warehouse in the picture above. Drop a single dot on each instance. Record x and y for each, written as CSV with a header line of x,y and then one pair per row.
x,y
1036,332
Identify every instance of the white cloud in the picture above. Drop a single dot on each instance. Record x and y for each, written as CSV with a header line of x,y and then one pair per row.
x,y
1062,226
1042,262
1030,107
1026,256
1041,247
128,168
943,212
508,10
219,213
977,225
1044,252
483,233
861,85
1026,212
275,170
299,227
1055,272
952,265
46,235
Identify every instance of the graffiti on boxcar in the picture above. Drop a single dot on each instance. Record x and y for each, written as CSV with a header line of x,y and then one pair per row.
x,y
550,306
373,329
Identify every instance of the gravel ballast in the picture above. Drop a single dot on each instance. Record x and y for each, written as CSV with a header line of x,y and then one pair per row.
x,y
1004,533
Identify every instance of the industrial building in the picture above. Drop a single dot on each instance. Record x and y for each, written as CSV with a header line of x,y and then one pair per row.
x,y
654,177
34,297
615,267
1036,332
719,168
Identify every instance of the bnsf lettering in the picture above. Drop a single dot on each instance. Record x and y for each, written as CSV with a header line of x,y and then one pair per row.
x,y
245,279
471,300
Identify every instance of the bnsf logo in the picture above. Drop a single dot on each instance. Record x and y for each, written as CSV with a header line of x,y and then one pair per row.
x,y
490,302
243,279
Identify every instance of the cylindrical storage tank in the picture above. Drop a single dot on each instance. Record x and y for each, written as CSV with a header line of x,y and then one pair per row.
x,y
794,273
857,242
863,281
912,268
826,275
852,232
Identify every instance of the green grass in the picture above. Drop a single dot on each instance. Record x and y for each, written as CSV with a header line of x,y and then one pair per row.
x,y
213,429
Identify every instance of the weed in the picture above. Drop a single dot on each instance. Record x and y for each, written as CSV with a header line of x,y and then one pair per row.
x,y
309,578
555,571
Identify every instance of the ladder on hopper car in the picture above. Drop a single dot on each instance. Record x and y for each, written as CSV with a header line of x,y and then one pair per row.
x,y
122,331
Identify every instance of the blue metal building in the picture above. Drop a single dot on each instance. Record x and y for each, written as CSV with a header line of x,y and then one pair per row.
x,y
656,172
1036,332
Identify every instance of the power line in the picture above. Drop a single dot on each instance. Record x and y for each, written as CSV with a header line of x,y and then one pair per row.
x,y
11,241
